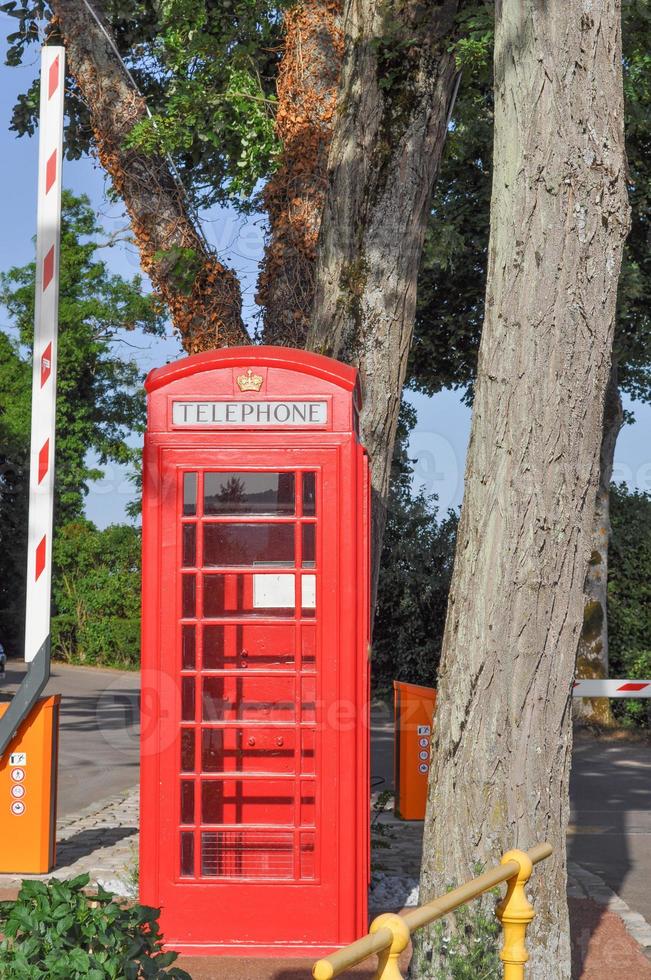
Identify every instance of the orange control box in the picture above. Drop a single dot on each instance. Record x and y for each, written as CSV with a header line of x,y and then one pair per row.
x,y
28,792
414,710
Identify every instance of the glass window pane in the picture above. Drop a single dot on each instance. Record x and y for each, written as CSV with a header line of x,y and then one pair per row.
x,y
308,592
308,701
248,595
308,864
249,493
187,750
248,544
187,699
189,648
253,801
187,855
213,649
210,863
189,604
247,697
187,801
189,494
243,645
262,854
309,545
212,801
308,751
189,545
309,647
309,494
212,750
308,804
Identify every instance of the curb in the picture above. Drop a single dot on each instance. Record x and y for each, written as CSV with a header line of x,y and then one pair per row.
x,y
594,887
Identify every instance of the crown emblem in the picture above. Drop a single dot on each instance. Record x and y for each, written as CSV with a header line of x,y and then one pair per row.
x,y
249,381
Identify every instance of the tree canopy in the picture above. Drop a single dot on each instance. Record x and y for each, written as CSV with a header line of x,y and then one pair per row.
x,y
100,399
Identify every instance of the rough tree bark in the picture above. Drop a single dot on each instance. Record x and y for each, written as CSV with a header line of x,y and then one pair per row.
x,y
307,94
592,658
559,218
208,312
397,85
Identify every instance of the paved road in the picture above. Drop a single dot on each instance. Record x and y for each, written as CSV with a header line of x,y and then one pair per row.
x,y
98,747
610,797
610,833
610,787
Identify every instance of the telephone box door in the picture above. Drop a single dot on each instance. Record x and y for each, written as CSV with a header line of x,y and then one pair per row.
x,y
254,651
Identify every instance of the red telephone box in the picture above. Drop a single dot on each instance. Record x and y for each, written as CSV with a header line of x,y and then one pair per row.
x,y
255,762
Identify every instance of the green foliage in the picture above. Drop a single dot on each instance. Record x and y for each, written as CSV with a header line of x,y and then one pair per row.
x,y
453,272
55,931
181,266
468,943
207,71
196,111
629,596
100,399
473,47
96,594
15,381
415,572
471,950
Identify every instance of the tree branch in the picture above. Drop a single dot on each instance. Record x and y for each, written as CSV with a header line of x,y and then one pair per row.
x,y
307,94
203,295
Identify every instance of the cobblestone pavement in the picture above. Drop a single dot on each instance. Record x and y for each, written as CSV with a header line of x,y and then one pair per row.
x,y
101,840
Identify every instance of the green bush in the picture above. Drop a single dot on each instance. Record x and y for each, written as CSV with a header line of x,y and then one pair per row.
x,y
629,597
55,931
96,593
416,568
468,943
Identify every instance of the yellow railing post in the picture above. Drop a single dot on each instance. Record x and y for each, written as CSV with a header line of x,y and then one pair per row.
x,y
387,967
515,913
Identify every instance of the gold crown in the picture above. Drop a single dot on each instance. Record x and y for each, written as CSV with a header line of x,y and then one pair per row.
x,y
250,381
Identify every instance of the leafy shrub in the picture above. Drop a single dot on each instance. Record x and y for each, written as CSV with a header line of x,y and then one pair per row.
x,y
629,597
54,931
467,942
415,572
96,594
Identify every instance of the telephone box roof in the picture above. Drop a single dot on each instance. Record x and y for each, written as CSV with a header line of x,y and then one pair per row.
x,y
287,358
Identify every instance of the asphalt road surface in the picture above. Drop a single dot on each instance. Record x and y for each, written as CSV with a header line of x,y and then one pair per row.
x,y
98,745
610,832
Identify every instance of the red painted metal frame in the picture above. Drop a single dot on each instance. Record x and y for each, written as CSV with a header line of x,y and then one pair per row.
x,y
261,917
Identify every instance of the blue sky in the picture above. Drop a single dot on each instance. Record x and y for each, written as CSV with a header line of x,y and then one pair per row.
x,y
439,442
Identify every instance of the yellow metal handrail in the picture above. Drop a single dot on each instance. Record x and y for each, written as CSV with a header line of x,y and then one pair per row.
x,y
389,934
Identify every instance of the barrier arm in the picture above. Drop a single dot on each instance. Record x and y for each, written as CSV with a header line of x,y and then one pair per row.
x,y
44,369
390,934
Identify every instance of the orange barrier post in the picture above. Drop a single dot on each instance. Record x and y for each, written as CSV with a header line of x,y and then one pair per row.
x,y
414,710
28,792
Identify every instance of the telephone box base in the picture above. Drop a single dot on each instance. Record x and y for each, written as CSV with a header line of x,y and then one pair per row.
x,y
251,952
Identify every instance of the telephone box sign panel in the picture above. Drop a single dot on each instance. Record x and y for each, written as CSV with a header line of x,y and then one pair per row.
x,y
246,413
254,797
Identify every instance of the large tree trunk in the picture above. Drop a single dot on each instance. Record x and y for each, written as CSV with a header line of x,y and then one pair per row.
x,y
559,218
397,85
592,658
307,93
202,295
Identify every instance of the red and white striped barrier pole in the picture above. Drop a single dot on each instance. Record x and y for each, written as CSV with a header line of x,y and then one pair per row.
x,y
41,477
612,689
48,233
